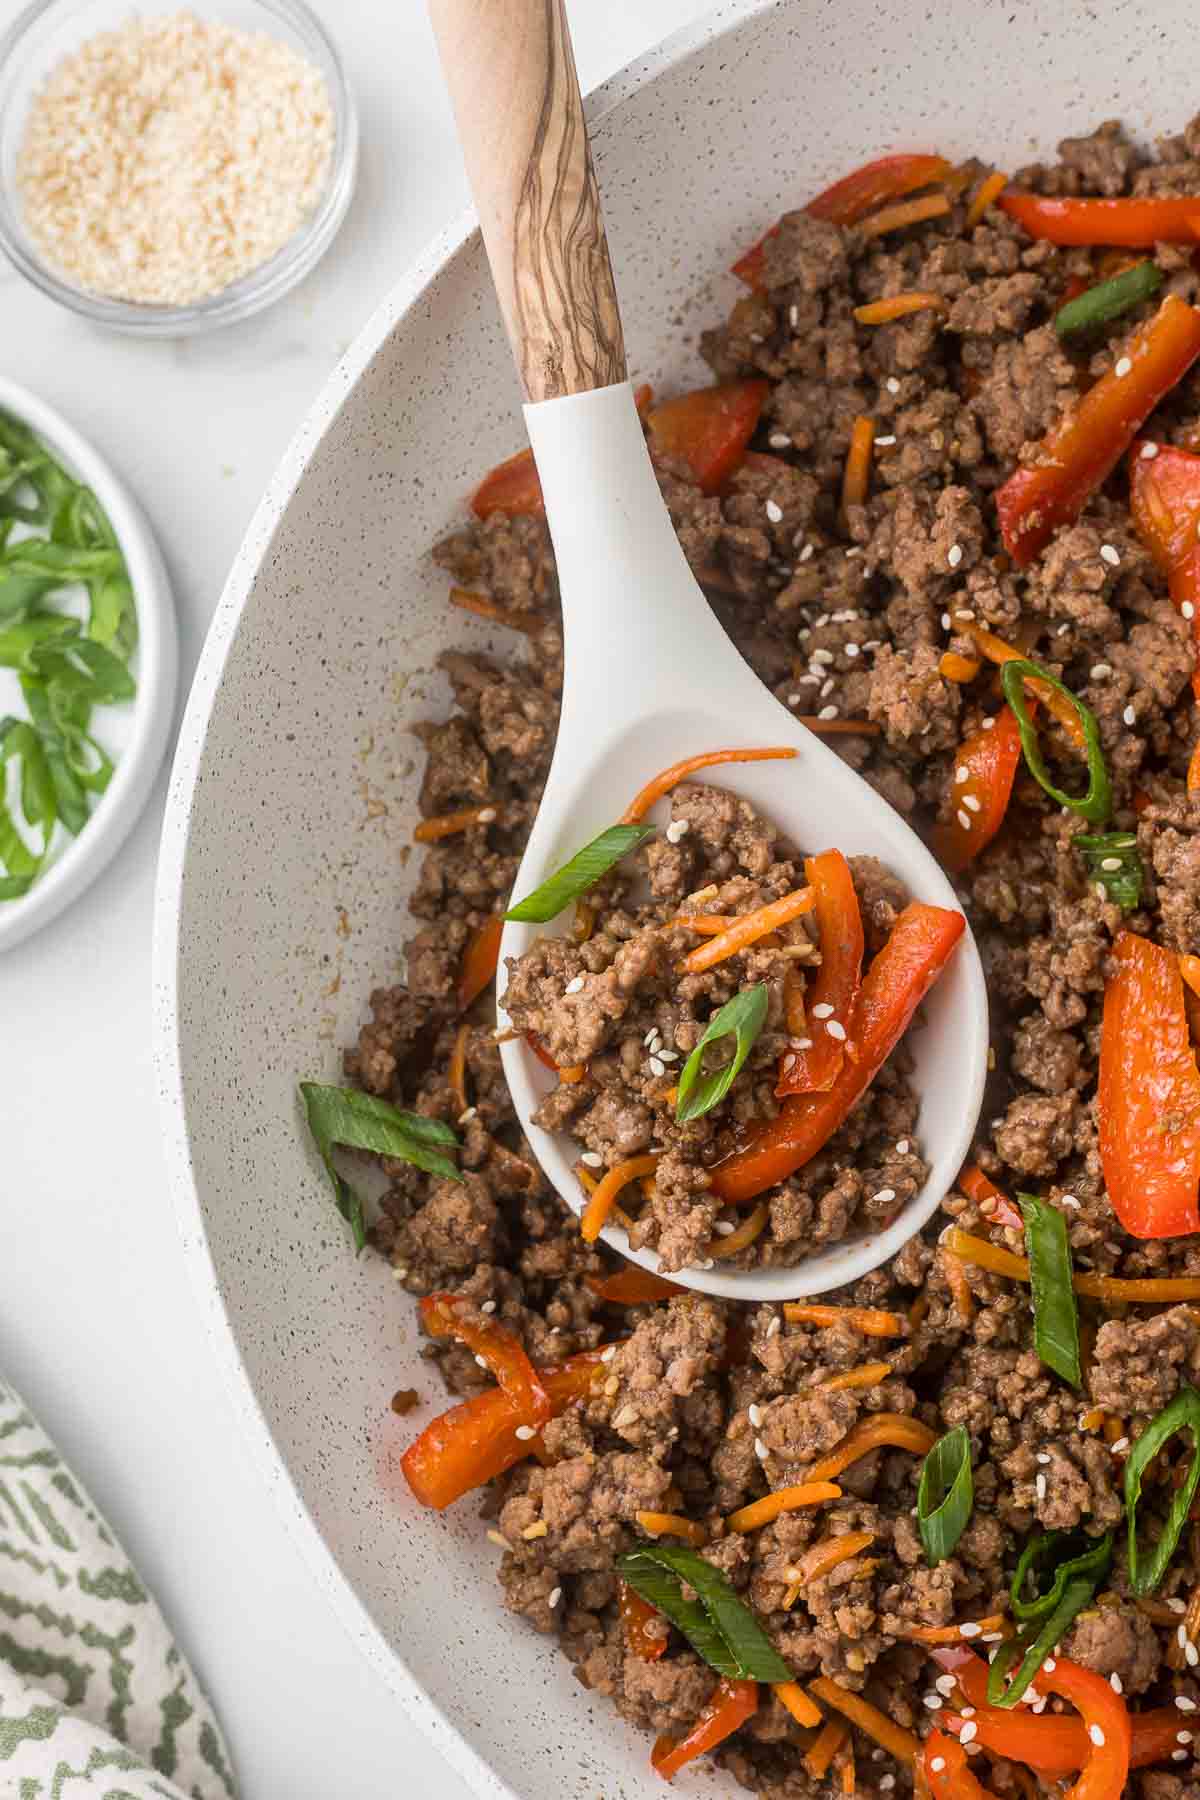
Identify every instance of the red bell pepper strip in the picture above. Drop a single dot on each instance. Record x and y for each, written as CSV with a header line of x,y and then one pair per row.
x,y
1057,1745
1132,224
971,1673
500,1349
1149,1094
1106,1717
1080,452
947,1772
479,961
732,1703
920,946
632,1287
636,1614
1164,494
852,199
513,486
474,1442
985,768
976,1186
709,428
839,923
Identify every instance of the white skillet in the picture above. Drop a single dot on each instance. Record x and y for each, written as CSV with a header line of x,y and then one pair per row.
x,y
650,675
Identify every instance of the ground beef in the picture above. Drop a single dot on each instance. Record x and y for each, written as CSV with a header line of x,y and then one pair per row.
x,y
697,1407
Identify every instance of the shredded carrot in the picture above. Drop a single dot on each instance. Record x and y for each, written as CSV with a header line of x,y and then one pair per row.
x,y
1092,1421
789,1499
751,1227
908,212
998,651
1114,1430
952,1634
792,1595
902,1744
882,312
1189,968
1193,774
447,824
590,1181
1110,1288
669,778
795,1013
991,190
957,181
479,965
960,1287
826,1555
857,477
703,924
632,1286
865,1376
748,928
572,1072
1156,1610
601,1202
483,608
824,1748
849,1773
793,1696
894,1429
656,1524
456,1074
959,668
917,1311
866,1319
840,727
585,922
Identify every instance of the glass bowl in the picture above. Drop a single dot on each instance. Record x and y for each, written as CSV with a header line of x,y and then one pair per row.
x,y
46,31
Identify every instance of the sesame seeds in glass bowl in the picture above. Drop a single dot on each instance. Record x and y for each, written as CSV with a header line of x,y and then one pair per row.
x,y
251,210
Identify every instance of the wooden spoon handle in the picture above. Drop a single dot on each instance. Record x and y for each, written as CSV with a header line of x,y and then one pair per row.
x,y
511,74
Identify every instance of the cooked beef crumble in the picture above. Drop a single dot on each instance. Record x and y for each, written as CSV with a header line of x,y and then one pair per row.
x,y
706,1406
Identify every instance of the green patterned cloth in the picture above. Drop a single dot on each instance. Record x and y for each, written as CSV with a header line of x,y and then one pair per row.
x,y
96,1701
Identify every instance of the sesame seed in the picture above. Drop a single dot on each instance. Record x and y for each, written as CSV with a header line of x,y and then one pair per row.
x,y
1122,367
760,1450
1183,1737
946,621
1069,1200
774,511
1181,1635
1176,1605
992,1637
1179,1756
1191,1654
606,1356
657,1067
1129,716
650,1036
961,774
1101,891
553,1598
793,316
399,1274
964,819
884,443
824,657
1101,671
789,1062
939,1762
482,1361
495,1537
973,803
836,1030
969,1630
804,1043
968,1712
902,1147
1110,555
966,614
592,1159
1049,1666
1115,1683
1042,1456
489,1306
805,553
823,1010
969,1730
1149,452
892,385
809,681
1181,1700
954,555
887,1783
667,1056
852,650
855,552
724,1227
827,687
775,1327
524,1432
754,1414
1040,1486
793,699
934,1702
779,440
884,1195
575,986
464,1118
679,828
1110,863
1096,1735
989,724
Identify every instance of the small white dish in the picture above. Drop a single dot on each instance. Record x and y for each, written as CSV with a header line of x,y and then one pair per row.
x,y
154,666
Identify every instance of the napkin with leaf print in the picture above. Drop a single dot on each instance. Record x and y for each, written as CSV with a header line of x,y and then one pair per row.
x,y
96,1701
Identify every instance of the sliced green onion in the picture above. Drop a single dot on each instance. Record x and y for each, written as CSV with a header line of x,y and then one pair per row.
x,y
1112,859
1090,1563
946,1494
359,1121
718,1626
1147,1568
1047,1616
1055,1314
581,873
741,1018
1108,299
1096,804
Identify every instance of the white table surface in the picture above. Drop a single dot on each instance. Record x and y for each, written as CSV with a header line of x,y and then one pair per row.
x,y
98,1325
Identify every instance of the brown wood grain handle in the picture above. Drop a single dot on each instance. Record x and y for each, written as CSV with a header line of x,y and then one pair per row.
x,y
511,74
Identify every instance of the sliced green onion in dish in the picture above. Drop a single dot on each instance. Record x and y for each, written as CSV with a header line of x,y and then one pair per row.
x,y
742,1019
358,1121
1055,1314
1096,804
719,1627
1147,1566
1048,1615
1108,300
20,745
1112,859
581,873
1046,1553
946,1495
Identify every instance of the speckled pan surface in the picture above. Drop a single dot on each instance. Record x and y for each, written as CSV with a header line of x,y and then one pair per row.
x,y
284,871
